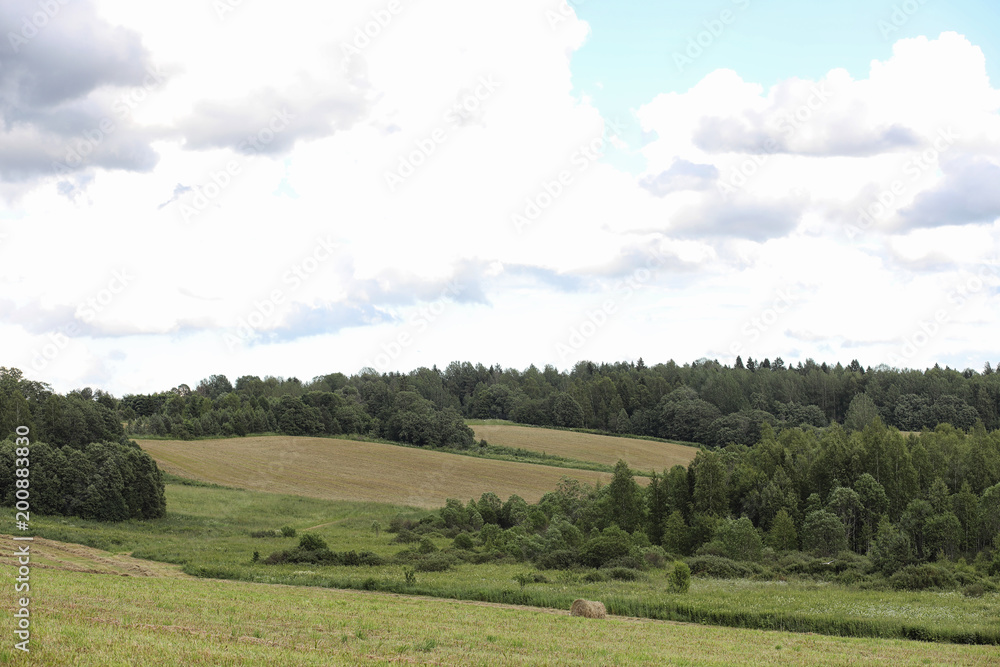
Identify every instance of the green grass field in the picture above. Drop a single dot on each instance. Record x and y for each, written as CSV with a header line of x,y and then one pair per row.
x,y
81,618
207,532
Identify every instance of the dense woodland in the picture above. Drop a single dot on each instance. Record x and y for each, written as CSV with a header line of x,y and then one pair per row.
x,y
703,402
869,507
81,462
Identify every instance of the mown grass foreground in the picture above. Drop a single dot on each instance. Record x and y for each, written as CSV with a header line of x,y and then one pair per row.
x,y
103,619
207,531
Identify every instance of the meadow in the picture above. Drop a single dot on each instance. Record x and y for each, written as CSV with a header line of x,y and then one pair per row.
x,y
208,533
101,619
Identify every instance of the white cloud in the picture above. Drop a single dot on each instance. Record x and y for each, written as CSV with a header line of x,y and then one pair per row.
x,y
477,132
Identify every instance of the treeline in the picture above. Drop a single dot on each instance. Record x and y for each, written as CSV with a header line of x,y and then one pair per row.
x,y
81,462
713,404
880,508
703,402
388,406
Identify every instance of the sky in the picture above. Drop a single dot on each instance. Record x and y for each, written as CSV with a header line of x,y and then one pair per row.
x,y
240,187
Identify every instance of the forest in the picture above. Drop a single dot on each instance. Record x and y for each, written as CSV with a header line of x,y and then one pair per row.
x,y
703,402
870,508
81,461
819,411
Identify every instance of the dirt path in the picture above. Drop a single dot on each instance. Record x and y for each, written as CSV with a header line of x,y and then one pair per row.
x,y
324,525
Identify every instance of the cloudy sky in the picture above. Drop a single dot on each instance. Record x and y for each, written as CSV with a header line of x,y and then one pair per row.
x,y
248,187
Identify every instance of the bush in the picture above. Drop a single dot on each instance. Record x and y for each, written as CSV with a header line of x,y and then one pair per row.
x,y
405,536
654,557
310,542
679,580
595,576
427,546
974,591
398,524
463,541
287,531
718,567
922,577
562,559
436,562
263,533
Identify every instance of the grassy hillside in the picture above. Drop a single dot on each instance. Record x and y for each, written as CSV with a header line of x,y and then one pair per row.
x,y
337,469
208,531
82,618
640,454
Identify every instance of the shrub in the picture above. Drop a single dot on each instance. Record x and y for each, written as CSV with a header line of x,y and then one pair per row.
x,y
594,576
399,524
718,567
310,542
974,591
679,580
277,558
463,541
436,562
922,577
287,531
263,533
562,559
654,557
426,546
609,545
411,576
405,536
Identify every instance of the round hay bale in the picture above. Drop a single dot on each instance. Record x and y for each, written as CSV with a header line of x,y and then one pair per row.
x,y
588,609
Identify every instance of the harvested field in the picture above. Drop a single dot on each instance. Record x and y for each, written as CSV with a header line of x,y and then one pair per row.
x,y
640,454
335,469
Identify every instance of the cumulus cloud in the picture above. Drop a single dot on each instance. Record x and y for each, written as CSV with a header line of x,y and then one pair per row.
x,y
682,175
68,84
968,193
